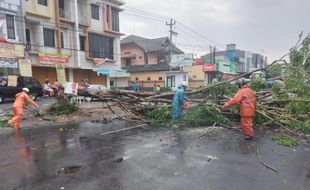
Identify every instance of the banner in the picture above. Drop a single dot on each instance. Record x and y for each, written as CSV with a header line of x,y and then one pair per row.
x,y
50,58
71,88
11,50
61,73
25,68
181,60
99,61
8,62
12,80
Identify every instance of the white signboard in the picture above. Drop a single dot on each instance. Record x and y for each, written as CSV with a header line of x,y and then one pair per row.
x,y
181,60
71,88
8,62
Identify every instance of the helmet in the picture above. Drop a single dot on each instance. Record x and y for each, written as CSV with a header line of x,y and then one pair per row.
x,y
26,90
242,81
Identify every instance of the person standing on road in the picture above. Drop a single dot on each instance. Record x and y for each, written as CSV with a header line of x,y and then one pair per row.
x,y
21,99
178,101
134,86
246,100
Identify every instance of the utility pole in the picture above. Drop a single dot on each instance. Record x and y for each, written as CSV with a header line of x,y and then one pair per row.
x,y
214,54
172,33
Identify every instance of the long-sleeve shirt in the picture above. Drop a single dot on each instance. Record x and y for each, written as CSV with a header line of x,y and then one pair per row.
x,y
246,100
22,98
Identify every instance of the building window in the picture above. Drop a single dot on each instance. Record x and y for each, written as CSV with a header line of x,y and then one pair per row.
x,y
137,78
62,40
161,59
28,40
160,78
100,46
82,43
115,20
127,62
184,77
94,11
42,2
112,83
148,78
62,8
49,37
10,26
171,81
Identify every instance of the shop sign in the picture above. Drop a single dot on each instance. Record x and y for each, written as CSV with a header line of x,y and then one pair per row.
x,y
8,62
11,50
209,67
71,88
61,74
49,58
25,68
227,66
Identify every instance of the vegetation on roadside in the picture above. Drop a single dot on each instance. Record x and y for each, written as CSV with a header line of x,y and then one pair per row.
x,y
161,116
285,140
4,123
64,108
204,115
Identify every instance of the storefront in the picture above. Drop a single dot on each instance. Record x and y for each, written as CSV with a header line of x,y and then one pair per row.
x,y
46,69
9,55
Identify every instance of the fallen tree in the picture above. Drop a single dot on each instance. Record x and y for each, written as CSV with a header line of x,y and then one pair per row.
x,y
285,106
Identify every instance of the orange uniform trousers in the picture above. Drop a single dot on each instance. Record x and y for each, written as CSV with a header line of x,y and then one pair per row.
x,y
247,126
18,115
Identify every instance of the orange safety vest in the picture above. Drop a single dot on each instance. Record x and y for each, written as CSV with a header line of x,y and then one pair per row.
x,y
246,100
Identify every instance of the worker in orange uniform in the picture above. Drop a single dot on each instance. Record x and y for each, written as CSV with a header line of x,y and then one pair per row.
x,y
246,100
20,102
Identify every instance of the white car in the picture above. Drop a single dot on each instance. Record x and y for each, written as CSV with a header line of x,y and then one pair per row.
x,y
97,87
94,88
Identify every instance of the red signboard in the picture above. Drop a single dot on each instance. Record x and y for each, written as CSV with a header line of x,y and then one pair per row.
x,y
198,61
53,58
209,67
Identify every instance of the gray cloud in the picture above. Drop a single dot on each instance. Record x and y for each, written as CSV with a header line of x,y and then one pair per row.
x,y
271,25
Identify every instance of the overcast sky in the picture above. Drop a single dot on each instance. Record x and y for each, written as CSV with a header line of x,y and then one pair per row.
x,y
269,25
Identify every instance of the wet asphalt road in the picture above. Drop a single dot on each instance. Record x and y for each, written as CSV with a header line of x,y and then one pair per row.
x,y
80,158
8,103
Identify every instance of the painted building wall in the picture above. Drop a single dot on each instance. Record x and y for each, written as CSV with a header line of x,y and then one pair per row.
x,y
195,72
131,49
152,58
32,7
143,76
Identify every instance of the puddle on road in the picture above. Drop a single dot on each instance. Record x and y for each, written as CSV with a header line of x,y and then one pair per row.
x,y
69,170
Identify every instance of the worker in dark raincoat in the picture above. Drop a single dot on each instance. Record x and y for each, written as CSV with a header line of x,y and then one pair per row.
x,y
246,100
178,101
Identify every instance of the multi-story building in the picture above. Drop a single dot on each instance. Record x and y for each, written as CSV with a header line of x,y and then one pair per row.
x,y
81,34
231,61
11,36
147,59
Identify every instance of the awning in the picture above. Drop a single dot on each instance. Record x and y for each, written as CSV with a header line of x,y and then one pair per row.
x,y
105,71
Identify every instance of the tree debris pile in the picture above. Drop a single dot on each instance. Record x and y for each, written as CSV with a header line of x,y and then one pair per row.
x,y
284,105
